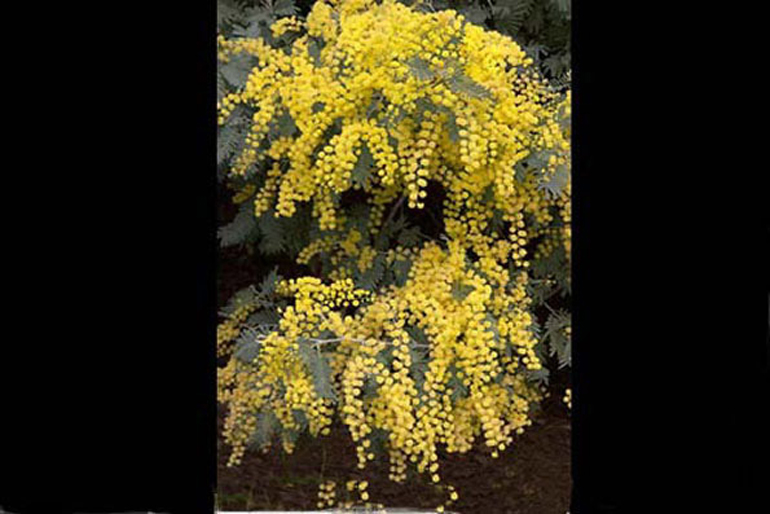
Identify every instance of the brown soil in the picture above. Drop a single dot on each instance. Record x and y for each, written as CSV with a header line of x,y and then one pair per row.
x,y
531,477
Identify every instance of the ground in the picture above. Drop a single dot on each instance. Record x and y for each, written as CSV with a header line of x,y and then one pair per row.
x,y
531,477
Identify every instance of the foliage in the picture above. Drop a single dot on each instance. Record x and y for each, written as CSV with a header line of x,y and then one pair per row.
x,y
414,169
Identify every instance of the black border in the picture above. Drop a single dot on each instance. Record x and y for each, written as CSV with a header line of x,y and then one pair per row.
x,y
109,364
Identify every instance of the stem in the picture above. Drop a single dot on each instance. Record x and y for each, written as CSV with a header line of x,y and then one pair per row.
x,y
393,212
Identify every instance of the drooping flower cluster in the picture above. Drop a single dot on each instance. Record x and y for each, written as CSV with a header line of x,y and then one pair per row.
x,y
381,100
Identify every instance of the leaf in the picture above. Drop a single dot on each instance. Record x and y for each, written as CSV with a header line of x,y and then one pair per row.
x,y
282,125
537,375
476,14
221,87
358,217
417,334
370,388
242,297
240,229
263,317
563,5
363,169
565,357
269,282
453,128
285,8
370,279
460,291
409,236
417,370
379,439
489,195
401,271
493,327
459,389
556,183
497,223
227,143
318,107
535,21
272,241
385,356
247,348
314,47
237,70
227,11
319,368
420,68
512,15
559,343
462,84
296,230
301,418
267,426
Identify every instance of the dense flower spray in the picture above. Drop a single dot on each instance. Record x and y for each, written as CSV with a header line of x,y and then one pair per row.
x,y
382,100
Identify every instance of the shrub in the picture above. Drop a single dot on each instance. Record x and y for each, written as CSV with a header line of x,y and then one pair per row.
x,y
416,169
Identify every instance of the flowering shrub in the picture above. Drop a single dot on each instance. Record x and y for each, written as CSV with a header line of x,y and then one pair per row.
x,y
416,168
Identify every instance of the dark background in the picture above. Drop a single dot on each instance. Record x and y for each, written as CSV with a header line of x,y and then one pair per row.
x,y
108,363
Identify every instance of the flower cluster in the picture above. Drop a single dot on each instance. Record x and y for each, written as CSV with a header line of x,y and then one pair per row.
x,y
379,100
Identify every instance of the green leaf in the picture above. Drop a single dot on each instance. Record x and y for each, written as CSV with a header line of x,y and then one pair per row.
x,y
301,418
476,14
409,236
272,241
269,282
538,376
511,14
285,8
263,317
227,12
370,279
555,184
370,388
385,356
462,84
247,348
417,371
267,427
318,107
453,128
460,291
221,87
229,141
401,271
489,195
493,327
497,223
563,5
237,70
459,389
241,229
358,217
420,68
363,169
282,125
245,296
559,343
319,368
417,334
314,47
